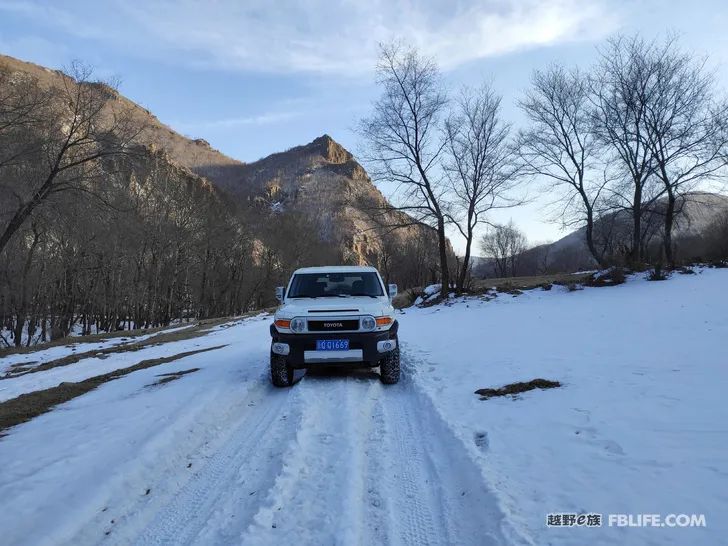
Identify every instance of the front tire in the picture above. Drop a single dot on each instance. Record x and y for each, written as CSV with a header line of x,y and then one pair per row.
x,y
389,367
281,374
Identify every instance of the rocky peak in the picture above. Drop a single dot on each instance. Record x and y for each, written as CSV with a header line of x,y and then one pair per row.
x,y
330,150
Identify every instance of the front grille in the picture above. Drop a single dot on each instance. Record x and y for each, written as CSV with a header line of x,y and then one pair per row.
x,y
332,325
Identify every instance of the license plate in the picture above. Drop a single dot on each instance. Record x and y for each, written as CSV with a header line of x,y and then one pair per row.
x,y
332,344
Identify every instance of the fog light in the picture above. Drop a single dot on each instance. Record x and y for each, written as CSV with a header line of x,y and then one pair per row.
x,y
281,348
386,345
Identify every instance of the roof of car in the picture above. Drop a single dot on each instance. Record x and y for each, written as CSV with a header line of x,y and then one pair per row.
x,y
336,269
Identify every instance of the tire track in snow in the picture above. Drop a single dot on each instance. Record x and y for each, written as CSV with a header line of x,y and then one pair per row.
x,y
466,510
377,507
310,502
336,460
185,517
409,492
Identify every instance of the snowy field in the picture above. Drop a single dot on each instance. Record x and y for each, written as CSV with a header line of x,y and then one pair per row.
x,y
218,456
28,360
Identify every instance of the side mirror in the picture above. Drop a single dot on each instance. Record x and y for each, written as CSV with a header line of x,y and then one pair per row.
x,y
392,290
280,290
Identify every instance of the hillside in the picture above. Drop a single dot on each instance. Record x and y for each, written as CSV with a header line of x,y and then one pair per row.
x,y
196,155
697,225
152,226
323,183
318,186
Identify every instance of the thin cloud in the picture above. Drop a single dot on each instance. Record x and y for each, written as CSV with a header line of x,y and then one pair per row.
x,y
269,118
328,37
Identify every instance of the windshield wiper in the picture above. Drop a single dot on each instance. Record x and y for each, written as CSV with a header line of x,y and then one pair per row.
x,y
303,296
362,294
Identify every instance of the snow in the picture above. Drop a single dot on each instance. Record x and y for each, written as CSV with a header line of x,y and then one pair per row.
x,y
639,426
431,289
37,340
219,456
31,359
101,364
115,435
429,293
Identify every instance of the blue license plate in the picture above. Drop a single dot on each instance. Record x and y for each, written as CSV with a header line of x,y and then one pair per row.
x,y
332,344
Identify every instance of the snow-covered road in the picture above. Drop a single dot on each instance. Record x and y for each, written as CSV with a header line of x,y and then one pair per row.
x,y
338,460
219,456
222,457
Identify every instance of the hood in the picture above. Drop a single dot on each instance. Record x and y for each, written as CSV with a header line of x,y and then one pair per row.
x,y
325,307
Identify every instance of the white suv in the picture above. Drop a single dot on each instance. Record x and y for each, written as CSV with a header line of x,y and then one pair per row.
x,y
338,315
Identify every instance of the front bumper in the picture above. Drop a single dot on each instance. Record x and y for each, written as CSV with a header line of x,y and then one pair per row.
x,y
362,347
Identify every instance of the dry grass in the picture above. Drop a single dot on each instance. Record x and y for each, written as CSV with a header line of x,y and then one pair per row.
x,y
172,376
516,388
509,284
405,298
196,329
188,333
30,405
6,351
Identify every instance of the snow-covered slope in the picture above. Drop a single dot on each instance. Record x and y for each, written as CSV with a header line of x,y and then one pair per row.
x,y
219,456
639,426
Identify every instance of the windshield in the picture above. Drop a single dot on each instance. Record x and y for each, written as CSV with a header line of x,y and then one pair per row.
x,y
321,285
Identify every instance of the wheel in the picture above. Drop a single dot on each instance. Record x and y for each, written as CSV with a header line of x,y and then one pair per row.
x,y
389,367
281,374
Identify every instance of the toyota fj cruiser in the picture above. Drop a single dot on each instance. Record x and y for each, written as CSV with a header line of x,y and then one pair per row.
x,y
335,315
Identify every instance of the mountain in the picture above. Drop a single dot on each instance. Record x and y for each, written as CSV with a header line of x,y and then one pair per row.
x,y
323,183
699,226
316,194
194,154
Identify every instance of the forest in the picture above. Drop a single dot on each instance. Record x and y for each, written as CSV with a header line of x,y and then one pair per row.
x,y
100,230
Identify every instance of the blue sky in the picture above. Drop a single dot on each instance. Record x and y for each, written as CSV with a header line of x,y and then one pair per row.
x,y
254,78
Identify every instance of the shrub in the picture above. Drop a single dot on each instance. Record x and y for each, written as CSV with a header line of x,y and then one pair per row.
x,y
608,277
573,286
657,273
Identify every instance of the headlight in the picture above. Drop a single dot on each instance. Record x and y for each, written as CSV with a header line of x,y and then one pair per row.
x,y
298,325
368,323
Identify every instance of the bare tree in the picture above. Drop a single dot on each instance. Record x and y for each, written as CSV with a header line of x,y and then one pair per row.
x,y
479,164
560,146
404,141
621,91
686,129
505,244
23,108
80,126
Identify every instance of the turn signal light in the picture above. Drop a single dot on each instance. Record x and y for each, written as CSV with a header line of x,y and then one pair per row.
x,y
281,323
383,321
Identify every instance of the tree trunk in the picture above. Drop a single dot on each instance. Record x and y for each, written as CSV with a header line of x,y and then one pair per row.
x,y
669,220
635,254
590,237
23,307
22,214
466,261
444,272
